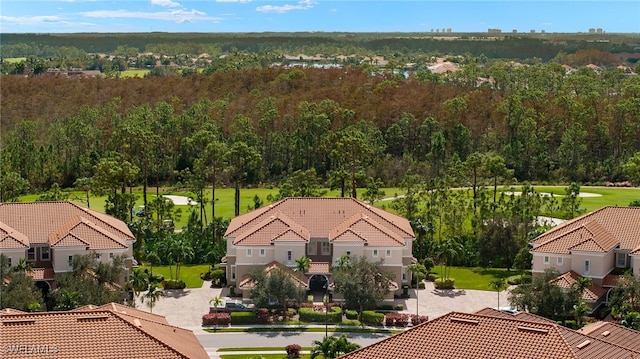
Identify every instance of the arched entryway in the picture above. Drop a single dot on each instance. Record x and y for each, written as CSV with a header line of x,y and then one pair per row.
x,y
318,283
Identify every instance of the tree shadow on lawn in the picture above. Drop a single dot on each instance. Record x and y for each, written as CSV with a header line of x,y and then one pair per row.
x,y
176,293
495,272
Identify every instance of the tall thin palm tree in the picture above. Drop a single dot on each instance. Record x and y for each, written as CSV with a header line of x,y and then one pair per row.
x,y
498,284
152,296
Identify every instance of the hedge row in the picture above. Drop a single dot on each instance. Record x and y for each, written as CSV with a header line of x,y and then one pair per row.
x,y
310,315
216,319
369,317
243,318
351,314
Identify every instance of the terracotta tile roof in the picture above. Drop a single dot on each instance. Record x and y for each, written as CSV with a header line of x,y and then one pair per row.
x,y
610,280
10,238
319,268
65,223
41,273
461,335
247,283
599,230
96,333
319,218
570,279
613,333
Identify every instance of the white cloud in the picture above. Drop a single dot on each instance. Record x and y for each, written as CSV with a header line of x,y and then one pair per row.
x,y
239,1
302,5
178,16
165,3
31,20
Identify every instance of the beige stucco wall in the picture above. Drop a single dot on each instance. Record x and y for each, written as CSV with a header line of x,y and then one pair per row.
x,y
14,254
243,257
539,266
599,264
635,264
61,258
340,249
297,251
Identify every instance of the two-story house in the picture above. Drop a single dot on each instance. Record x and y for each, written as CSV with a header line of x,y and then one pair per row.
x,y
49,234
323,229
597,245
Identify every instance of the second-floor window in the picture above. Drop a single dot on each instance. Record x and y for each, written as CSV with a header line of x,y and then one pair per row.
x,y
31,254
289,255
70,260
587,266
326,248
233,273
375,253
546,259
560,261
388,252
249,252
44,254
263,252
621,260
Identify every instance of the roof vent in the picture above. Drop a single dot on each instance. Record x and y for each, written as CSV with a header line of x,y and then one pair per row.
x,y
583,344
464,320
606,333
533,329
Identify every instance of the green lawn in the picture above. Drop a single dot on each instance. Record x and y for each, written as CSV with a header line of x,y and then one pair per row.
x,y
134,73
13,60
476,278
189,273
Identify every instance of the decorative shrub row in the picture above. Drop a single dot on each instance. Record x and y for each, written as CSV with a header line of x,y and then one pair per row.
x,y
396,320
518,279
444,283
351,314
216,319
174,284
243,318
263,316
418,319
310,315
369,317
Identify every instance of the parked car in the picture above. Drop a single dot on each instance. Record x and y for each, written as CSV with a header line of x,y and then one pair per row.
x,y
231,306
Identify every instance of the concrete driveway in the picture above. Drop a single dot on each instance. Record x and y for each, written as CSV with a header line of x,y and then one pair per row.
x,y
185,308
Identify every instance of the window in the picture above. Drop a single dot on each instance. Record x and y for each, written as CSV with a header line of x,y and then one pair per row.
x,y
249,252
587,267
69,260
31,254
375,253
546,259
621,260
110,255
560,261
289,256
9,261
326,248
404,274
263,252
388,252
311,248
44,254
233,273
348,253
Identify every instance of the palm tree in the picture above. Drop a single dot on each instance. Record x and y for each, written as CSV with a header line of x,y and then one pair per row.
x,y
182,252
579,310
419,271
139,282
302,264
332,347
23,266
498,284
152,259
216,301
152,296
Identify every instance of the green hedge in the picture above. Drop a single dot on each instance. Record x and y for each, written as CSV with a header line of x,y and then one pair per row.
x,y
239,318
444,283
351,314
369,317
174,284
309,315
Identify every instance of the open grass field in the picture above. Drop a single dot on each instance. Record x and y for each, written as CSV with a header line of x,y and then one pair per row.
x,y
15,60
224,196
134,73
189,273
476,278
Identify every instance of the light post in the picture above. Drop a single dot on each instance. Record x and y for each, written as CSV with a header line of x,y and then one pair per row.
x,y
325,300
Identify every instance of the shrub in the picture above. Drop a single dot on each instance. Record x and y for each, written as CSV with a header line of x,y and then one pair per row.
x,y
432,277
243,318
351,314
216,319
518,279
444,283
399,307
263,316
386,307
369,317
293,350
418,319
396,319
174,284
310,315
309,299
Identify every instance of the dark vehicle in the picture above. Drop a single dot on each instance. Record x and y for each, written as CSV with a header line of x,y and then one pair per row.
x,y
232,306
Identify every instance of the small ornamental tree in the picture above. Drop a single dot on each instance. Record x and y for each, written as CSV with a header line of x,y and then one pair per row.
x,y
293,351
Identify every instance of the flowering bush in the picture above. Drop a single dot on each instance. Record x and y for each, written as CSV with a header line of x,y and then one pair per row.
x,y
293,350
216,319
418,319
263,316
396,319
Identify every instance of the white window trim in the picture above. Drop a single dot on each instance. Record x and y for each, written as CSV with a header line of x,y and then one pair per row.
x,y
587,266
625,260
233,272
263,252
388,254
249,252
31,250
111,255
560,261
404,274
42,251
546,260
289,255
9,261
69,260
375,253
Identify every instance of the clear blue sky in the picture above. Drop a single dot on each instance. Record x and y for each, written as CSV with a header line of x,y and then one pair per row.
x,y
45,16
